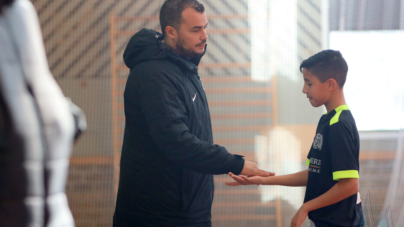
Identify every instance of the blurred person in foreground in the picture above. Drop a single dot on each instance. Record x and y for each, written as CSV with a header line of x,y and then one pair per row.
x,y
168,155
332,179
37,127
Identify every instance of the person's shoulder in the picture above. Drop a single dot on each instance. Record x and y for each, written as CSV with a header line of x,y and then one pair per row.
x,y
342,116
343,121
345,117
19,13
156,71
158,66
22,6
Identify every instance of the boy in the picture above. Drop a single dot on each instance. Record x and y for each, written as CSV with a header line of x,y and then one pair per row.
x,y
332,178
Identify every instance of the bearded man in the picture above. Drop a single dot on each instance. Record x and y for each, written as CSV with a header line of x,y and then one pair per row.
x,y
168,155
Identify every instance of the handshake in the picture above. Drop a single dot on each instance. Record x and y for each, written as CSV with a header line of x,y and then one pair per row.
x,y
249,175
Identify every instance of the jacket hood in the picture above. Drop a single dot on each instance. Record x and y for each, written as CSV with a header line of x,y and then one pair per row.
x,y
147,45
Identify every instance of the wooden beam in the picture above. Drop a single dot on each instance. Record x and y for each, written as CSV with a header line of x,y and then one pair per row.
x,y
122,67
92,160
274,102
114,94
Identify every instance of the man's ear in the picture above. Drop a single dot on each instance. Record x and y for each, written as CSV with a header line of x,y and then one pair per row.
x,y
332,84
171,32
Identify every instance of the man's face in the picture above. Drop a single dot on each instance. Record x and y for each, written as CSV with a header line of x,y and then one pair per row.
x,y
191,37
317,92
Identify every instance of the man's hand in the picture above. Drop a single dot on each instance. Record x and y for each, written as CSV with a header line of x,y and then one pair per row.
x,y
251,169
299,217
243,180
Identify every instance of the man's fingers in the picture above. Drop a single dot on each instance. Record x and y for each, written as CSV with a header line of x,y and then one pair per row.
x,y
263,173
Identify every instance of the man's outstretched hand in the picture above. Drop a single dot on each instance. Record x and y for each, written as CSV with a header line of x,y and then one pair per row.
x,y
255,175
251,169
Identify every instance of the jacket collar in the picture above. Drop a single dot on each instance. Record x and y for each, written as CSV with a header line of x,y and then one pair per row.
x,y
191,64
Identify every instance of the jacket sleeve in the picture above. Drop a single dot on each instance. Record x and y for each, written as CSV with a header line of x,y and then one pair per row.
x,y
165,113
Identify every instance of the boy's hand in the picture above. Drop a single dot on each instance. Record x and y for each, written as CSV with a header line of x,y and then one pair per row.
x,y
243,180
299,217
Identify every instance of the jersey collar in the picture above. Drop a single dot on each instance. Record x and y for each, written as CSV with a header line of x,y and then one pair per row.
x,y
340,108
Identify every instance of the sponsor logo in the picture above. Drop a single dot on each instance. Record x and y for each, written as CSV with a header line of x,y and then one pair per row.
x,y
315,165
318,142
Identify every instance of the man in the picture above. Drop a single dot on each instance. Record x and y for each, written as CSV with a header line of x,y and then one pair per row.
x,y
168,155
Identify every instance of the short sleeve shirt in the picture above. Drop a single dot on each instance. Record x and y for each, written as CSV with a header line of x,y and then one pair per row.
x,y
334,155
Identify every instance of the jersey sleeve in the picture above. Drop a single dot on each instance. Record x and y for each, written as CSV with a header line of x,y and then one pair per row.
x,y
344,151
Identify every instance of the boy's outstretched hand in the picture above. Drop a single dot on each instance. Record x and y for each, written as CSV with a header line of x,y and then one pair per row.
x,y
243,180
299,217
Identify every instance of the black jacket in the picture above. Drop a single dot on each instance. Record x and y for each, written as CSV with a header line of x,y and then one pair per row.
x,y
168,155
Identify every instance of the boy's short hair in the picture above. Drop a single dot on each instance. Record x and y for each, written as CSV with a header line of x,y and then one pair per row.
x,y
171,12
327,64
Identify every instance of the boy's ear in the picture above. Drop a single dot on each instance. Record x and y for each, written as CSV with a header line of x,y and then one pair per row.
x,y
332,84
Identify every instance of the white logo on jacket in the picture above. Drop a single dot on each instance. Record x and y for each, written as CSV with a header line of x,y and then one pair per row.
x,y
318,142
193,99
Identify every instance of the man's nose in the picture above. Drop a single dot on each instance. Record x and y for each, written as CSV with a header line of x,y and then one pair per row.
x,y
204,35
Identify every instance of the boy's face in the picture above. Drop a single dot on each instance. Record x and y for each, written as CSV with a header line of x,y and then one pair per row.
x,y
317,92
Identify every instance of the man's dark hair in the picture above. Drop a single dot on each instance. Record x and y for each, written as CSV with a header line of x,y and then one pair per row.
x,y
327,64
4,3
171,12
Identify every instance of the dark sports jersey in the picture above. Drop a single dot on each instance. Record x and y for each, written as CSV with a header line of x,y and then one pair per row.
x,y
334,155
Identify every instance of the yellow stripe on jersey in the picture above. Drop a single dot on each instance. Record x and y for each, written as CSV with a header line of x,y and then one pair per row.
x,y
308,162
338,111
345,174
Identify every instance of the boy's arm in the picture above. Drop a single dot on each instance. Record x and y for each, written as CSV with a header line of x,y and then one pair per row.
x,y
341,190
293,180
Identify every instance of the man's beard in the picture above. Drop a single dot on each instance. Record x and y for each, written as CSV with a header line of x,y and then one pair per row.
x,y
185,52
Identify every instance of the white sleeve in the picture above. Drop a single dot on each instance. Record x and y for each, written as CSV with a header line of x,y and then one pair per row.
x,y
23,63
